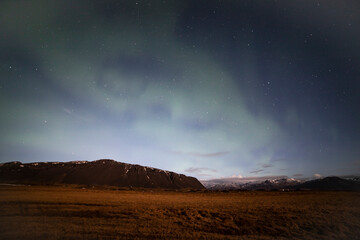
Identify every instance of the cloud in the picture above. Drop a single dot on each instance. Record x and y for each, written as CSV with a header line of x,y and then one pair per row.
x,y
317,175
199,171
278,160
267,165
197,154
257,171
214,154
298,175
237,176
67,110
203,175
82,117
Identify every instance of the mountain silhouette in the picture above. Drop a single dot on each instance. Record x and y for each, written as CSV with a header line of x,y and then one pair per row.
x,y
331,183
100,172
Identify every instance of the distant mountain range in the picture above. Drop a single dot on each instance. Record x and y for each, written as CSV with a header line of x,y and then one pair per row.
x,y
100,172
283,183
106,172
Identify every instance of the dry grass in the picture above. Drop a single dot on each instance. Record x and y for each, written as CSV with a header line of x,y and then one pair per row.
x,y
35,212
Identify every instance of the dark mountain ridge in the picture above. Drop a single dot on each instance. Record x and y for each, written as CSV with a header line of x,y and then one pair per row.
x,y
100,172
330,183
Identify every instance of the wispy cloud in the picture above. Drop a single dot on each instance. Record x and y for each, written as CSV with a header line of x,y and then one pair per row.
x,y
237,176
317,175
78,116
197,154
278,160
203,175
298,175
198,170
67,110
257,171
267,165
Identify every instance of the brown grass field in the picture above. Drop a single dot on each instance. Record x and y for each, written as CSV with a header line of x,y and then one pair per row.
x,y
71,212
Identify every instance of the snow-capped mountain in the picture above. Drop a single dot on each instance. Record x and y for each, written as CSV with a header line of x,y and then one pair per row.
x,y
350,183
273,182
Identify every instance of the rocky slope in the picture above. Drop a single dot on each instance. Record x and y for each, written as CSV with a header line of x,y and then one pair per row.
x,y
100,172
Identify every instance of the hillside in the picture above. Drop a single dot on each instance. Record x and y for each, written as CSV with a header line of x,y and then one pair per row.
x,y
100,172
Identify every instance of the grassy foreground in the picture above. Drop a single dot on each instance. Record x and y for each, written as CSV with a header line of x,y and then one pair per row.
x,y
40,212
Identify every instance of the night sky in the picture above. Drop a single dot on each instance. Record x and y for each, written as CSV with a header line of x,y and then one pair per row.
x,y
205,88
